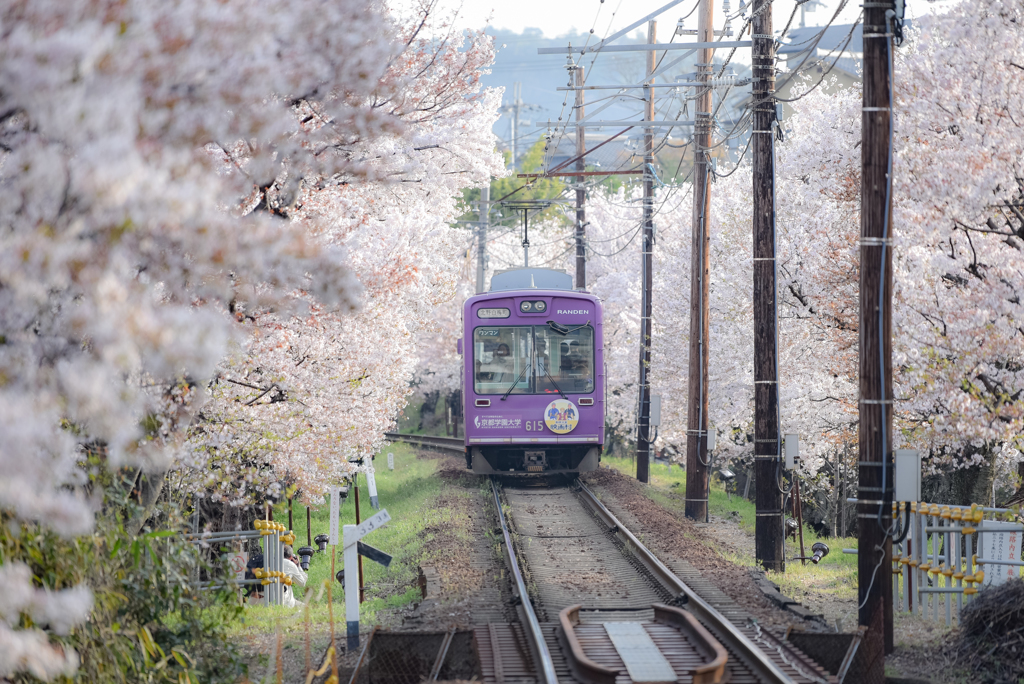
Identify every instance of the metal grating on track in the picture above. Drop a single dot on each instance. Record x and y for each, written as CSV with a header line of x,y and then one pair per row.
x,y
639,653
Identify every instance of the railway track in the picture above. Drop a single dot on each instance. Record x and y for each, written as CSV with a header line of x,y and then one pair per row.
x,y
597,607
441,443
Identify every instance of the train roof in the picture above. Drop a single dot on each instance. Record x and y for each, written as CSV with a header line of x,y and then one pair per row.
x,y
531,279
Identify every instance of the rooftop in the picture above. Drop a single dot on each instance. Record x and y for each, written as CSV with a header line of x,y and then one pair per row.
x,y
801,40
531,279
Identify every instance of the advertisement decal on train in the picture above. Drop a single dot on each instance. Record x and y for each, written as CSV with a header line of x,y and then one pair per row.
x,y
504,422
561,416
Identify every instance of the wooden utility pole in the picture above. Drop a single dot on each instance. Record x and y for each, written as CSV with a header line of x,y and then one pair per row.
x,y
697,470
481,244
643,439
874,506
359,519
769,535
581,214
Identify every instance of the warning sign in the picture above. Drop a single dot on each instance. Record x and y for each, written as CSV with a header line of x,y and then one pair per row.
x,y
1000,546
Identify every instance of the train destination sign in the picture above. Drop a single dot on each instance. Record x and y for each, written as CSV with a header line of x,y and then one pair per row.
x,y
493,313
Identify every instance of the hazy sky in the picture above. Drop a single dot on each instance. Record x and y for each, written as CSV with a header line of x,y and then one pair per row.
x,y
555,17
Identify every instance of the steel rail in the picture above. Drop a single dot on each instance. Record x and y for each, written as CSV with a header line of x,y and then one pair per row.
x,y
757,659
444,443
547,666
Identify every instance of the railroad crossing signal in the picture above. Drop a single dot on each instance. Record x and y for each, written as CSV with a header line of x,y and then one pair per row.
x,y
351,535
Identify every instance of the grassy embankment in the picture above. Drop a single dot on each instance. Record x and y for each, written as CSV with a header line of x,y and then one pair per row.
x,y
408,493
836,574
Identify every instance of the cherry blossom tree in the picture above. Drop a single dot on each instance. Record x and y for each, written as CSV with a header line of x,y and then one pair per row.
x,y
189,181
956,228
315,391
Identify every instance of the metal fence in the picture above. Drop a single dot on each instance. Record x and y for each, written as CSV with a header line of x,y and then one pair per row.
x,y
945,554
271,576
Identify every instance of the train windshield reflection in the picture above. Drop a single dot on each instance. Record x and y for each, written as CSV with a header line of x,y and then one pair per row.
x,y
527,359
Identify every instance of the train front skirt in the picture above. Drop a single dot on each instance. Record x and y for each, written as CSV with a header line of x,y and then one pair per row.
x,y
534,459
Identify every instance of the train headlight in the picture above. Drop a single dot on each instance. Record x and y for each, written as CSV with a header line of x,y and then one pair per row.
x,y
526,306
539,306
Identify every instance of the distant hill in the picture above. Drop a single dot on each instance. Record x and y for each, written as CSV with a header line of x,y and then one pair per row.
x,y
540,76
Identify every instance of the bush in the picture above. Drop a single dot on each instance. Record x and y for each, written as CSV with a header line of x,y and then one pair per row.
x,y
149,623
990,640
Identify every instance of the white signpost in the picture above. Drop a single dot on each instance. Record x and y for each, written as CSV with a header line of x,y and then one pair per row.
x,y
352,534
371,483
391,461
335,514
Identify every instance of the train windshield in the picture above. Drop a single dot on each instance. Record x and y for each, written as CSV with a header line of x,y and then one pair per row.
x,y
533,360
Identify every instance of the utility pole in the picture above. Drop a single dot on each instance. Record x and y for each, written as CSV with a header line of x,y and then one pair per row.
x,y
643,438
874,506
697,463
768,527
581,213
481,237
517,103
514,110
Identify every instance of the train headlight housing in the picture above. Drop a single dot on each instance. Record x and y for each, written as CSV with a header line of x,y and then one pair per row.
x,y
533,306
539,306
526,306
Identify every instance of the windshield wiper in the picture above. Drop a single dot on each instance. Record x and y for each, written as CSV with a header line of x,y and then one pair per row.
x,y
553,383
562,330
513,385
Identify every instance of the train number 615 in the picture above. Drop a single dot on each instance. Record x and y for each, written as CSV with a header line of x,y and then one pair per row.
x,y
534,425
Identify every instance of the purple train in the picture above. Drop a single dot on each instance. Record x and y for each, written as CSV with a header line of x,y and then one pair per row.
x,y
533,375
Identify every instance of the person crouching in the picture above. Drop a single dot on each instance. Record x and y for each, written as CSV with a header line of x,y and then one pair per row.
x,y
291,569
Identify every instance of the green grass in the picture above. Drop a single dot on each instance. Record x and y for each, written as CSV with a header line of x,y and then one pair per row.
x,y
835,575
407,493
409,418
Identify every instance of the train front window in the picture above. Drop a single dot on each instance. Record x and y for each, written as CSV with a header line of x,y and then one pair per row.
x,y
568,359
501,359
533,360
